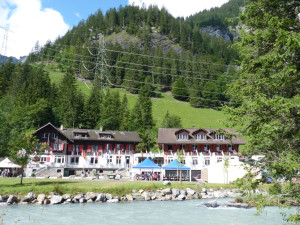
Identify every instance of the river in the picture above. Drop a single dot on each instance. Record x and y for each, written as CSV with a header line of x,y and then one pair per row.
x,y
138,213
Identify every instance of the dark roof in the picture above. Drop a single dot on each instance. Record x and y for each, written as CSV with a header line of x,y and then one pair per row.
x,y
123,136
58,130
94,135
168,136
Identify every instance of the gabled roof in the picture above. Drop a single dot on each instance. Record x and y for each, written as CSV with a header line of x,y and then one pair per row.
x,y
58,130
169,136
94,135
180,130
198,130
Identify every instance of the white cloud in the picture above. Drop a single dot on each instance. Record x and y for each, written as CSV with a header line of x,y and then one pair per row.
x,y
181,8
29,23
77,15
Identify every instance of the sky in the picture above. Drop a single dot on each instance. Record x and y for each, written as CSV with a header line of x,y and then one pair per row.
x,y
30,21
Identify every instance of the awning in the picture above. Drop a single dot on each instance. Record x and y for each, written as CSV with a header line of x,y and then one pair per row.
x,y
175,165
146,164
6,163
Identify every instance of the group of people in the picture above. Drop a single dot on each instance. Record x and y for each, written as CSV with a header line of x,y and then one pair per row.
x,y
5,172
148,176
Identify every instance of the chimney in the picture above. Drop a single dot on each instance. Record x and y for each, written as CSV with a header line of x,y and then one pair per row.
x,y
61,127
101,128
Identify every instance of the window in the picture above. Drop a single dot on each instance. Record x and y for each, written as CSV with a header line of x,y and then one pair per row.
x,y
118,147
106,136
219,159
107,147
55,146
182,147
201,137
45,135
206,147
130,147
207,161
75,160
118,160
219,136
183,136
109,159
170,147
59,159
170,160
195,161
43,159
94,160
95,148
194,147
54,135
77,134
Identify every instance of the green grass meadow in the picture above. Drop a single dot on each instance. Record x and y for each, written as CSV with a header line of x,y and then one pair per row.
x,y
197,117
74,186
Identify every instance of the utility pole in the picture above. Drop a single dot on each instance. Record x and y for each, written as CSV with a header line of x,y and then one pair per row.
x,y
4,41
100,69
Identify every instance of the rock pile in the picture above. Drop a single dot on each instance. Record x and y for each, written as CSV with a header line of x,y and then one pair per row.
x,y
165,194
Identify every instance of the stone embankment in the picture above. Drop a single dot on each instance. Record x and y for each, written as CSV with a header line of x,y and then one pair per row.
x,y
165,194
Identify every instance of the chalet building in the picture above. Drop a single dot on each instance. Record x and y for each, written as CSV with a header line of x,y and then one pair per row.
x,y
72,151
199,140
204,151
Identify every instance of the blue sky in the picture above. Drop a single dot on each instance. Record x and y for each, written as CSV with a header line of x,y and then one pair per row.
x,y
75,10
42,20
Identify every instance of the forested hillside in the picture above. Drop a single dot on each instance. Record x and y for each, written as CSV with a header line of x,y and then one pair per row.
x,y
144,51
149,46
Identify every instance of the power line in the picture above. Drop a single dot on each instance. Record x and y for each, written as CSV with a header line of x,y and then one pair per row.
x,y
138,70
150,66
150,56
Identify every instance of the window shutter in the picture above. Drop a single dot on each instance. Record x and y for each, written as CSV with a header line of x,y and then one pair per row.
x,y
69,148
51,146
88,148
81,148
122,148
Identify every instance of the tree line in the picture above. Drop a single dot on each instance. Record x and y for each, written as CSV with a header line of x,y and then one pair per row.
x,y
28,100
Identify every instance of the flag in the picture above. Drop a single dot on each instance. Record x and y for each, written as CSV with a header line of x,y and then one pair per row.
x,y
72,154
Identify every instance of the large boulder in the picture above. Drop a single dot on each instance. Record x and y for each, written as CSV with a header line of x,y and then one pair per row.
x,y
166,191
190,191
82,200
180,197
56,199
78,196
108,196
100,198
12,199
90,195
67,196
41,197
175,191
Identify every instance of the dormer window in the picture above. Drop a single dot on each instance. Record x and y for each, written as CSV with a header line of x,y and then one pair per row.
x,y
183,137
80,134
106,136
200,137
219,137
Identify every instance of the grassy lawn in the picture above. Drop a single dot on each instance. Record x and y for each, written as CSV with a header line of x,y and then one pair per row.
x,y
62,186
198,117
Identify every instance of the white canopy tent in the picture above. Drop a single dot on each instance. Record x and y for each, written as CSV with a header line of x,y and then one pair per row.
x,y
6,163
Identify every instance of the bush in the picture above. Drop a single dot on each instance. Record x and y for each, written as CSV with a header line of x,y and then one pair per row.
x,y
275,189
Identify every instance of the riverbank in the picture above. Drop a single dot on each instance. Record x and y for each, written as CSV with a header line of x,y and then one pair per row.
x,y
162,194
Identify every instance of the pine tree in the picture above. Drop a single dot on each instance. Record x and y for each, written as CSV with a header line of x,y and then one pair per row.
x,y
70,101
92,108
171,121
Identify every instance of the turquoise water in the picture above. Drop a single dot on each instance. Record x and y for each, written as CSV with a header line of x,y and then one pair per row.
x,y
138,213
